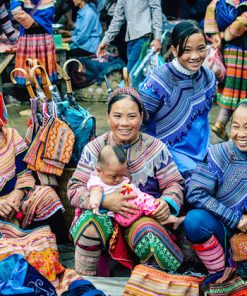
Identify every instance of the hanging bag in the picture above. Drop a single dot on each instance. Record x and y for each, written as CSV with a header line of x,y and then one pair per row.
x,y
214,61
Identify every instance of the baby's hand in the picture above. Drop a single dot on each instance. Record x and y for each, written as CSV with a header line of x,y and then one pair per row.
x,y
95,208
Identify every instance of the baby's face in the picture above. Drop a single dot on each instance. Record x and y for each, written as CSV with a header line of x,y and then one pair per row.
x,y
113,173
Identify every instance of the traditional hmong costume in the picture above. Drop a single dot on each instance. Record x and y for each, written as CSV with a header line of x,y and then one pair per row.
x,y
35,43
218,191
178,102
6,25
40,202
234,51
152,170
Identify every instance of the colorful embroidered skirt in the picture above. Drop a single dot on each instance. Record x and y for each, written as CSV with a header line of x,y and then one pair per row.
x,y
103,225
235,88
36,46
147,238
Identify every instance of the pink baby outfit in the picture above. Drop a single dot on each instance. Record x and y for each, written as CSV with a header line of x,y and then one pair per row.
x,y
145,202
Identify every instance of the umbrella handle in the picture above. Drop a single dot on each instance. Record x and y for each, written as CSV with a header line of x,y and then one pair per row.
x,y
27,82
45,80
126,77
66,76
29,64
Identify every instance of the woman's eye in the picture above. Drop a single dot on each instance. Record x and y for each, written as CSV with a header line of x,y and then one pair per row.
x,y
202,49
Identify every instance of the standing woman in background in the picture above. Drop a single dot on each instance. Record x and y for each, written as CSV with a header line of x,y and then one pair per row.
x,y
228,32
36,40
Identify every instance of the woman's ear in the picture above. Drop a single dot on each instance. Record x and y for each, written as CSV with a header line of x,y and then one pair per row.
x,y
98,169
174,51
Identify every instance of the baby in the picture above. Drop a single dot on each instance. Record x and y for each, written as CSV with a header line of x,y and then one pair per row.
x,y
109,176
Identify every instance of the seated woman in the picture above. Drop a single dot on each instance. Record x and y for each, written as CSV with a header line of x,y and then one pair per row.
x,y
21,201
86,36
152,170
218,192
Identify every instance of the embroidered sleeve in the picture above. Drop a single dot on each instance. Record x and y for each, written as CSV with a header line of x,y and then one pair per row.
x,y
20,15
210,24
201,195
24,176
171,184
77,186
237,28
150,98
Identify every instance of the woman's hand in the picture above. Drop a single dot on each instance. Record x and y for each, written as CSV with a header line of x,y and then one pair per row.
x,y
118,203
216,40
162,212
16,197
242,225
7,209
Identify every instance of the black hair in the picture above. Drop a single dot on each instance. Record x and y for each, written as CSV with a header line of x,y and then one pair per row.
x,y
182,31
107,151
120,154
120,97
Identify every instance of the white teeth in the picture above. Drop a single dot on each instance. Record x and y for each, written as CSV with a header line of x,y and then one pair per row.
x,y
242,142
124,132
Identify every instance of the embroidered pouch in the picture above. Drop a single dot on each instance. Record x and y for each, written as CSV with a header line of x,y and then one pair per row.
x,y
239,253
239,246
225,283
149,281
58,141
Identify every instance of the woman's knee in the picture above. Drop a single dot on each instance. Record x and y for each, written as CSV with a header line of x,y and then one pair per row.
x,y
200,225
91,232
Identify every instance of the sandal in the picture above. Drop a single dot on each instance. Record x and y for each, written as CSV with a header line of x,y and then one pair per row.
x,y
220,132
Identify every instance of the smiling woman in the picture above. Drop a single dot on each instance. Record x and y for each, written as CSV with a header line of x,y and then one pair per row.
x,y
218,192
178,97
152,170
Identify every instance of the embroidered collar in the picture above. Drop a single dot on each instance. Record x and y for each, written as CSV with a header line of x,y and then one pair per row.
x,y
128,145
236,153
181,69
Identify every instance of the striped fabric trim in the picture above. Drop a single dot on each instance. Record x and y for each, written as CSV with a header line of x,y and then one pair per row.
x,y
14,145
235,87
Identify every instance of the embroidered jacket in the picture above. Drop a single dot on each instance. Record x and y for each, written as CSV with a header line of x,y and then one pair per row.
x,y
219,184
178,105
149,163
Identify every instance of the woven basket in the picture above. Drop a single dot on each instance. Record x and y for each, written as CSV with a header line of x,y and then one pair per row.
x,y
62,193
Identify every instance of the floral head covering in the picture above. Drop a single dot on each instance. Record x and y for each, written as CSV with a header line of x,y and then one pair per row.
x,y
125,91
3,112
